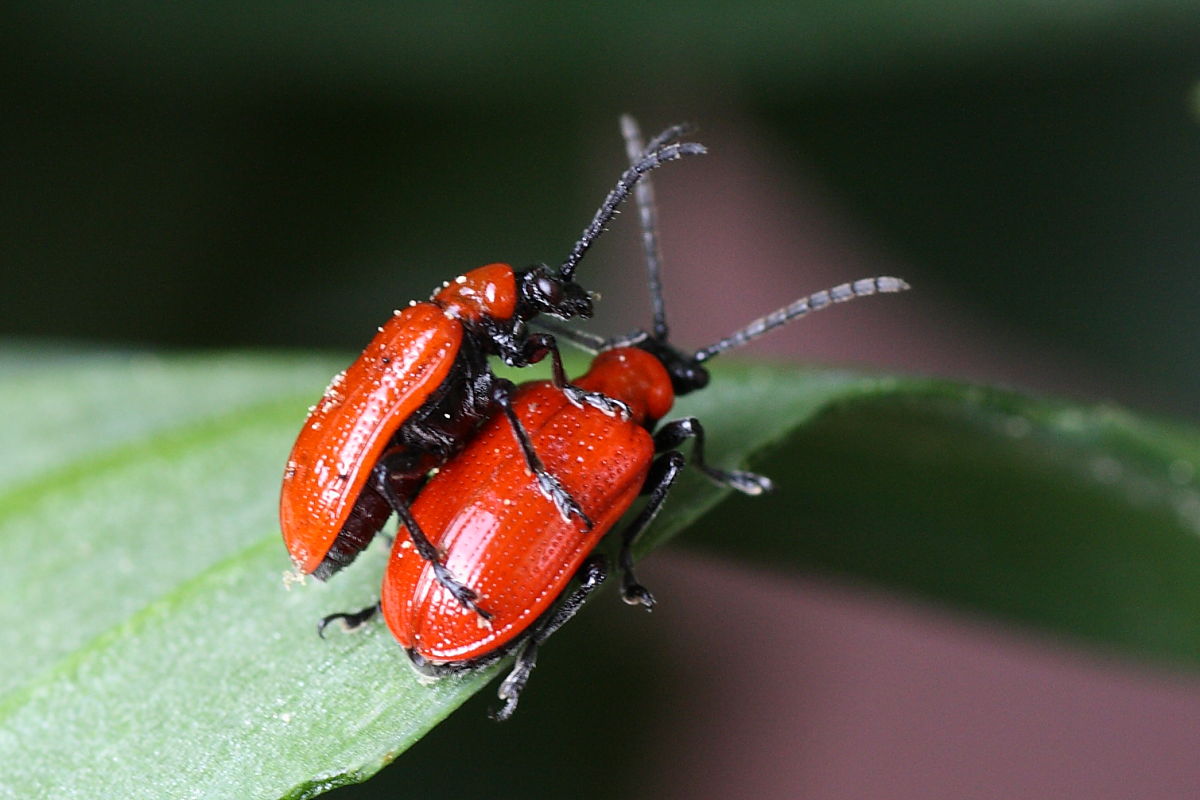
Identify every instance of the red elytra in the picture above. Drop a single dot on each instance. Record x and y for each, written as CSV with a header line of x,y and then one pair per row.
x,y
420,390
355,419
499,534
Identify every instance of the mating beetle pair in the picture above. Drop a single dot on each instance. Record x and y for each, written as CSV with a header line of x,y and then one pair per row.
x,y
418,392
529,481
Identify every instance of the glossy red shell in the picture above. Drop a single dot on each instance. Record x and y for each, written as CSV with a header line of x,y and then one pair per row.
x,y
349,428
488,291
500,535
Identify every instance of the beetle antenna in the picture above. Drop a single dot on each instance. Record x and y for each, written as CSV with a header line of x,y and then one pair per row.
x,y
668,135
644,193
589,343
814,302
608,209
631,339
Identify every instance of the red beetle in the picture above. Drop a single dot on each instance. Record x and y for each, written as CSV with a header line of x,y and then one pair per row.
x,y
507,542
419,391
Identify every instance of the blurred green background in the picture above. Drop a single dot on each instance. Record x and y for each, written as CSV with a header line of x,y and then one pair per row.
x,y
262,174
280,174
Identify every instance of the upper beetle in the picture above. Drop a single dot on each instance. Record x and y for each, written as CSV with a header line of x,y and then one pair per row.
x,y
421,388
508,543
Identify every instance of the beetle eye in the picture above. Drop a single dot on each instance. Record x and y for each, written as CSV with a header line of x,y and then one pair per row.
x,y
549,289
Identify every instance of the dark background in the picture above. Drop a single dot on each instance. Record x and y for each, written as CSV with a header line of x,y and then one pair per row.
x,y
282,175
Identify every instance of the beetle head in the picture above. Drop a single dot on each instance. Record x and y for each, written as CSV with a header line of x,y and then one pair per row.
x,y
545,292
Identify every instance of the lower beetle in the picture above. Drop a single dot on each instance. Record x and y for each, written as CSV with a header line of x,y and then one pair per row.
x,y
509,543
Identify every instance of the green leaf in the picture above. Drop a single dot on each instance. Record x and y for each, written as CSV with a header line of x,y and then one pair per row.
x,y
1082,520
151,647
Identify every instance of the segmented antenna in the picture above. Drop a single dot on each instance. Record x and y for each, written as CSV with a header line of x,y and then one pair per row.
x,y
814,302
589,343
669,135
604,214
635,150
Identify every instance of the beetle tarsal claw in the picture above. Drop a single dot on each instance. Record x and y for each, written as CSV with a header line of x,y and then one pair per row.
x,y
568,508
750,482
553,491
597,400
637,595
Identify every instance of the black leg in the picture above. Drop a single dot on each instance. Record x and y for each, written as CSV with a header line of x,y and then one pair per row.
x,y
662,475
538,346
351,620
591,575
675,433
555,492
421,543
